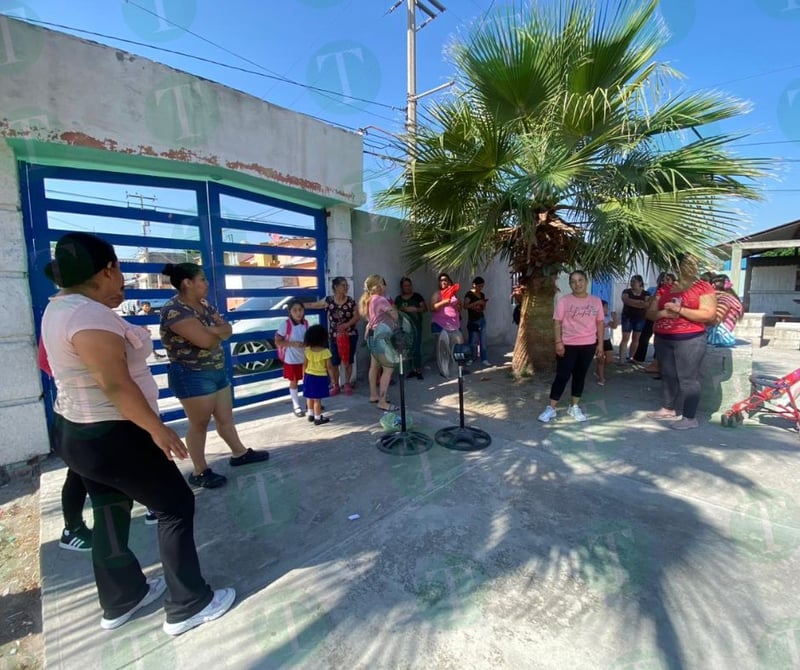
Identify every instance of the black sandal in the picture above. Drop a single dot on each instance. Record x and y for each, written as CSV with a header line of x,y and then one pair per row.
x,y
249,456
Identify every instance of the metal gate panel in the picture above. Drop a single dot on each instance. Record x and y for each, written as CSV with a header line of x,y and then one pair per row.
x,y
279,254
57,200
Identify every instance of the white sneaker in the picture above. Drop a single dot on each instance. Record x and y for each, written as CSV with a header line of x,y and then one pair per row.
x,y
576,413
157,587
220,603
549,413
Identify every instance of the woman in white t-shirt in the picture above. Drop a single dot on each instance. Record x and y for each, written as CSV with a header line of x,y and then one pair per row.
x,y
578,326
107,429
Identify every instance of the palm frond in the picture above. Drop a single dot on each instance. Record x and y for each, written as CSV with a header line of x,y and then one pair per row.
x,y
561,111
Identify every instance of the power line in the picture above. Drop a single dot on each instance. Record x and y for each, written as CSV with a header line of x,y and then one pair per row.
x,y
314,42
211,61
757,75
327,93
161,208
758,144
273,74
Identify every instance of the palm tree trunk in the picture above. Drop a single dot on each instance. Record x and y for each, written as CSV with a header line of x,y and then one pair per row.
x,y
534,348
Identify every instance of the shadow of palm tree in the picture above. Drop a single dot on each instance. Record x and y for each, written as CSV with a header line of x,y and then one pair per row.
x,y
603,544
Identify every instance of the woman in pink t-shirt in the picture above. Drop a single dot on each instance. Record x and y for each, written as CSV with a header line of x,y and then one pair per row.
x,y
578,320
107,429
381,321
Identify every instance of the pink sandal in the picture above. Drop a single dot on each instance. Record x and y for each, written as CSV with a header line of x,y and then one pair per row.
x,y
336,390
348,389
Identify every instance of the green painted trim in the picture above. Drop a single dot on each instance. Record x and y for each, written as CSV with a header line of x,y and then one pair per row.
x,y
66,155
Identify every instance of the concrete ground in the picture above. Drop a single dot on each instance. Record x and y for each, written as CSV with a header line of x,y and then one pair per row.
x,y
617,543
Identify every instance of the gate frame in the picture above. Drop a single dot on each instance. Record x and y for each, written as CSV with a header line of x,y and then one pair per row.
x,y
209,221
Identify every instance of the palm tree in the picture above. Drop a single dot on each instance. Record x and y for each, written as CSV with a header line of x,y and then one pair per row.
x,y
561,146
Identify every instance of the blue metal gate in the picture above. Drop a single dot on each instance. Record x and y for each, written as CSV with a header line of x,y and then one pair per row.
x,y
257,251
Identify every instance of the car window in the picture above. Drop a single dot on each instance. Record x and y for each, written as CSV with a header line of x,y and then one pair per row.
x,y
261,302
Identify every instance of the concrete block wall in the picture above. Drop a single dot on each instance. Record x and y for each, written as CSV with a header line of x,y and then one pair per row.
x,y
786,336
22,417
751,328
725,376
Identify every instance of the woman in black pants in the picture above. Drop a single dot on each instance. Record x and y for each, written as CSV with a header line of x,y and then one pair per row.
x,y
680,313
107,429
578,325
75,536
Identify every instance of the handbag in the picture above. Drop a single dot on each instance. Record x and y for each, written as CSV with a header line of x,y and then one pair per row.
x,y
343,346
720,336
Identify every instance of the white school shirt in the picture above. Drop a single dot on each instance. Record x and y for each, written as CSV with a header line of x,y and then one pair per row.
x,y
294,355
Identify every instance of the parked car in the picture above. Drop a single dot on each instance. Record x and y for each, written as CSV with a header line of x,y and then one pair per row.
x,y
133,306
259,327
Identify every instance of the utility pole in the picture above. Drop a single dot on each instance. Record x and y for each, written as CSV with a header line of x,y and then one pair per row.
x,y
411,69
411,56
145,229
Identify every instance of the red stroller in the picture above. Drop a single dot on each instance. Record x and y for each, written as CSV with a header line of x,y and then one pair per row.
x,y
773,395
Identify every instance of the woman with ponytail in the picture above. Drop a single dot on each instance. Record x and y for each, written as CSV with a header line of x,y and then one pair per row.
x,y
381,321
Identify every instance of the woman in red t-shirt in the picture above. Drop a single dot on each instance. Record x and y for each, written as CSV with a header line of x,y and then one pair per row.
x,y
681,312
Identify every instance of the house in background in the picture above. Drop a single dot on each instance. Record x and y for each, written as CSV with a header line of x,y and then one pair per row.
x,y
771,282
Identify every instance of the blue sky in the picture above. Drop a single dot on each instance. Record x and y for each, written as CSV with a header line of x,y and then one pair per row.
x,y
357,51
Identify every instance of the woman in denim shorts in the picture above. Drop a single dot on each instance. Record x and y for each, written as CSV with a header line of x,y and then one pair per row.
x,y
192,332
635,301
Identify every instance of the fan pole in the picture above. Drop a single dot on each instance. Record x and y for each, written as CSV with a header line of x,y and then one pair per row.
x,y
402,394
459,437
406,442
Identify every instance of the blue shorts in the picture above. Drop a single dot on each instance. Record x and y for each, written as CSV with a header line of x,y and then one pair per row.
x,y
187,383
635,325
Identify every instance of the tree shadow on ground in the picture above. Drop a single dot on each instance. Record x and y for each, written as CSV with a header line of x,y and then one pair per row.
x,y
584,544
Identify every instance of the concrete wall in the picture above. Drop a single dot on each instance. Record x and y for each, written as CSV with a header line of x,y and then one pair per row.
x,y
22,420
378,246
68,101
66,91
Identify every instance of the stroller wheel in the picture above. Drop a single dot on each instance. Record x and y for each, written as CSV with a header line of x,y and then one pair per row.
x,y
724,419
738,418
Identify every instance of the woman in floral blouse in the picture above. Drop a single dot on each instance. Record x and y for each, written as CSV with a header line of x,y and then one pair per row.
x,y
192,332
342,313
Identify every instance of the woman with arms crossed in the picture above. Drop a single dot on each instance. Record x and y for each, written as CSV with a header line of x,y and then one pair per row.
x,y
412,304
192,332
